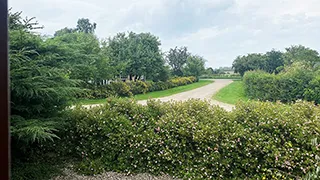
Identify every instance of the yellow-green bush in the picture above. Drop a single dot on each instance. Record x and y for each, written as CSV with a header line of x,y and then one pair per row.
x,y
120,88
196,140
158,86
138,87
180,81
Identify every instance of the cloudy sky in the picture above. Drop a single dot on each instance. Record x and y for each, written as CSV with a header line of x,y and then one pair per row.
x,y
218,30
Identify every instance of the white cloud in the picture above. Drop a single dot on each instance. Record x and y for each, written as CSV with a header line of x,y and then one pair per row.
x,y
219,30
276,8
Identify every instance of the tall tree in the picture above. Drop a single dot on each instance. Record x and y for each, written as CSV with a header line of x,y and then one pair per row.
x,y
274,60
209,71
39,91
84,25
299,53
249,62
16,22
80,55
64,31
194,66
177,58
135,55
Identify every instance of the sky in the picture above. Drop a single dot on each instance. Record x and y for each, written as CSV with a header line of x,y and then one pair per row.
x,y
218,30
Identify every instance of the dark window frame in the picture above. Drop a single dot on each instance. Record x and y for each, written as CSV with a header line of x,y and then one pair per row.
x,y
4,93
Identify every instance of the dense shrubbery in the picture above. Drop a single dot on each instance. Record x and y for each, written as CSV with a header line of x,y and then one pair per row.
x,y
288,86
138,87
130,88
312,93
196,140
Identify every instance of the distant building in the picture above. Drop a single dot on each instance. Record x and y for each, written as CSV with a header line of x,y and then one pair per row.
x,y
226,70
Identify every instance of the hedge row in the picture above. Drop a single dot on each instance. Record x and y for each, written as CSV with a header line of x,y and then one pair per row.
x,y
286,87
258,140
221,76
130,88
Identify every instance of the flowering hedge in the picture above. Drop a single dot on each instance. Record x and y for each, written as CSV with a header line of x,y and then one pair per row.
x,y
132,88
196,140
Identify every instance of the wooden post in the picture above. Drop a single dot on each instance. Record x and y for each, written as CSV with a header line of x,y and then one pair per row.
x,y
4,92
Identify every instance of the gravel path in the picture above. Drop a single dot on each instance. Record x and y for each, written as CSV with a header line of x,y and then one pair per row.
x,y
203,93
71,175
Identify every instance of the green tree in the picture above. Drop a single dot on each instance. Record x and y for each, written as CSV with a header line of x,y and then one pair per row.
x,y
38,91
64,31
16,22
163,75
177,58
249,62
274,59
209,71
195,66
135,55
84,25
80,54
299,53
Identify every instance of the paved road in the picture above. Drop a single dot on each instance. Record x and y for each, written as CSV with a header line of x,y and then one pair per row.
x,y
203,93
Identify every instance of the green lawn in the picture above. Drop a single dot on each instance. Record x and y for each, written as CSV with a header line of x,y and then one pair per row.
x,y
156,94
232,93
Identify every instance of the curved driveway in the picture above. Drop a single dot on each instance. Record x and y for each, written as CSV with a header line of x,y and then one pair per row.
x,y
203,93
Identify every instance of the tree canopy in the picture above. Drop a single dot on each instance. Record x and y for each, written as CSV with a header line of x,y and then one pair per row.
x,y
83,26
136,55
275,61
249,62
195,66
299,53
39,88
177,58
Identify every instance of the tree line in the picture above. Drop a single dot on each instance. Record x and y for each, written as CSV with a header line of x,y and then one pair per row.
x,y
275,61
281,76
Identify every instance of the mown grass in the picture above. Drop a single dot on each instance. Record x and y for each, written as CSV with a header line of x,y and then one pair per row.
x,y
155,94
232,93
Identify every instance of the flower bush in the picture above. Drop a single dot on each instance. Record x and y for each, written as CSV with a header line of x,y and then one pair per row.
x,y
258,140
